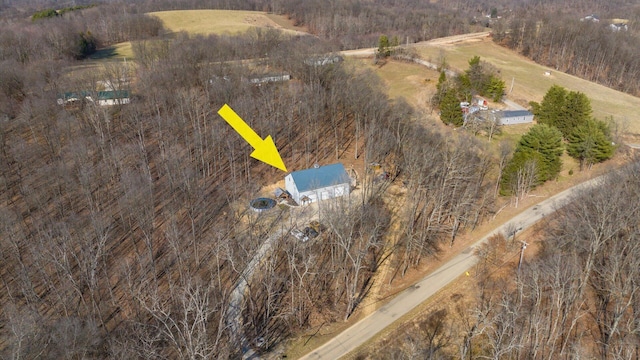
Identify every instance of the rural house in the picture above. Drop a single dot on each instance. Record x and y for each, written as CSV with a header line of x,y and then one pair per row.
x,y
510,117
102,98
318,183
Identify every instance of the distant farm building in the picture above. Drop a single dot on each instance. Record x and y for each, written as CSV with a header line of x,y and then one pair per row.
x,y
619,27
511,117
324,60
318,183
268,79
102,98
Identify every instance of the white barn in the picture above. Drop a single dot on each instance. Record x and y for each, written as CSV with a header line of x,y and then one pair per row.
x,y
510,117
318,183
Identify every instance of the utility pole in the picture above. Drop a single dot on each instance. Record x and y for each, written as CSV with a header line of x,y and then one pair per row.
x,y
513,79
524,246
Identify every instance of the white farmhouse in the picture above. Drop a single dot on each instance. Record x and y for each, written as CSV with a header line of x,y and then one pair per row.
x,y
318,183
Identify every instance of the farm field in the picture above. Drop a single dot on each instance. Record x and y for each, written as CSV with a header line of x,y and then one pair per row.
x,y
530,82
207,22
415,83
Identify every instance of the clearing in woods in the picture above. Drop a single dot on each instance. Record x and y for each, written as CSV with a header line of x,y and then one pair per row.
x,y
204,22
207,22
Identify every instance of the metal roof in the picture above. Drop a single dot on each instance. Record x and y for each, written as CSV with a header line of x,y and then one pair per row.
x,y
100,95
514,113
317,178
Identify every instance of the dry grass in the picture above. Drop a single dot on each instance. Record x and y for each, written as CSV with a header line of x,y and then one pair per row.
x,y
415,83
529,80
206,22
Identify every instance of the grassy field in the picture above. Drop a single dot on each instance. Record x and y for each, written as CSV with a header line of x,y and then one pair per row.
x,y
413,82
205,22
530,82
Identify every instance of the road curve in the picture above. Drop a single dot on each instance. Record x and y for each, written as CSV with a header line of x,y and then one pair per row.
x,y
413,296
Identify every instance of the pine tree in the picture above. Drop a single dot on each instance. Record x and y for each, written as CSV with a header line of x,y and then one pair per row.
x,y
562,109
495,88
550,109
517,177
383,47
541,147
547,141
576,111
450,111
590,143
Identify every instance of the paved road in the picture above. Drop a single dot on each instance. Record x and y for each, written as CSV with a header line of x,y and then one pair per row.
x,y
404,302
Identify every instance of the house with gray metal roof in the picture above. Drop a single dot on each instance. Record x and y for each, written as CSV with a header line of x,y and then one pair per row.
x,y
318,183
510,117
102,98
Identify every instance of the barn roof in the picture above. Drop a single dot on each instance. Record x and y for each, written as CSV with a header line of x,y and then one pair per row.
x,y
323,176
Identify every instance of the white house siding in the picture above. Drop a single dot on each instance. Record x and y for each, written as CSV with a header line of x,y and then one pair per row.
x,y
325,193
290,186
340,187
515,117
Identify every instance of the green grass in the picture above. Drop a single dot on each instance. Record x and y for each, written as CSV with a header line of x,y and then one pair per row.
x,y
206,22
530,83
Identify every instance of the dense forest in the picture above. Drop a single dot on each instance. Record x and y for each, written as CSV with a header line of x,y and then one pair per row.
x,y
578,298
124,229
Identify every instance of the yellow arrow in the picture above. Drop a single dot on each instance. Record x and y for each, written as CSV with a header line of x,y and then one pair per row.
x,y
264,150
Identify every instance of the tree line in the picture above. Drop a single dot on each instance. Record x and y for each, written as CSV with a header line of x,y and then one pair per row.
x,y
123,230
586,49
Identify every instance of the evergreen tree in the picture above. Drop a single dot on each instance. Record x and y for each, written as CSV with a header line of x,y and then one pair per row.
x,y
541,146
550,109
512,182
494,88
590,143
476,75
547,141
576,111
562,109
440,89
450,111
480,78
383,47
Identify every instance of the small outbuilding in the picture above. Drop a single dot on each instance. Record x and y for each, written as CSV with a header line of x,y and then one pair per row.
x,y
318,183
511,117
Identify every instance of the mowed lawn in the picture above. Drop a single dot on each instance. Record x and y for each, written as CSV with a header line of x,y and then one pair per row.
x,y
531,83
206,22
